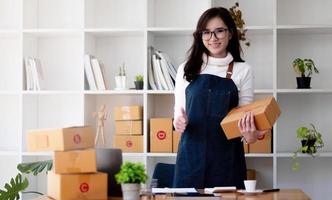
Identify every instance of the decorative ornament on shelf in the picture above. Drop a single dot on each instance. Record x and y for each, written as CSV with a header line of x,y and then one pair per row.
x,y
236,14
311,141
120,80
138,82
101,116
304,69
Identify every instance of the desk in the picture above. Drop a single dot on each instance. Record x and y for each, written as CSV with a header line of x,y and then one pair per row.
x,y
284,194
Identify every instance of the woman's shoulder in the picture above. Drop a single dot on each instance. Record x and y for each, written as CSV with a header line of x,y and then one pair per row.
x,y
242,65
242,69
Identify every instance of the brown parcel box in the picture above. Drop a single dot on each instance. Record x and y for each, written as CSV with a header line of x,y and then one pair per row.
x,y
128,113
61,139
245,147
77,186
70,162
266,112
262,146
161,135
251,174
129,127
176,140
129,143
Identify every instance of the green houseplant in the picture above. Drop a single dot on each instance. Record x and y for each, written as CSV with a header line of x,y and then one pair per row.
x,y
304,68
130,177
19,183
236,14
311,141
138,82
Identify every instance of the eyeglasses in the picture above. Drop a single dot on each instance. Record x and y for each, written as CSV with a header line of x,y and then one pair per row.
x,y
218,33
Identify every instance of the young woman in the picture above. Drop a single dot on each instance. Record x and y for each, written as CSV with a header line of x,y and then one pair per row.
x,y
212,81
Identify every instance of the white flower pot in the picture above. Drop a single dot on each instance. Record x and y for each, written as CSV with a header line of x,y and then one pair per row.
x,y
120,82
130,191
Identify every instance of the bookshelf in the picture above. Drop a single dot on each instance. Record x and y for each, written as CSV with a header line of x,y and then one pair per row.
x,y
60,32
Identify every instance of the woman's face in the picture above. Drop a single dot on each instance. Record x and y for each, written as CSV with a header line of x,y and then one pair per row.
x,y
216,37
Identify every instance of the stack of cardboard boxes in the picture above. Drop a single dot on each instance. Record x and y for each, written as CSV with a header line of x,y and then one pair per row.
x,y
74,174
129,128
162,137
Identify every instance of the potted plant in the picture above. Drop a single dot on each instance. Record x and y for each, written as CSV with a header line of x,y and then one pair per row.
x,y
311,141
304,68
130,177
19,183
139,82
236,14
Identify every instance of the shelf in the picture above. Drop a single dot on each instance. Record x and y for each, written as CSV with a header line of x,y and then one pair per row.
x,y
290,155
53,32
161,154
303,91
124,92
37,153
50,92
9,153
304,29
114,32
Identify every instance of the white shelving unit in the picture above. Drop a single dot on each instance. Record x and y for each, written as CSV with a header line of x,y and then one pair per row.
x,y
60,32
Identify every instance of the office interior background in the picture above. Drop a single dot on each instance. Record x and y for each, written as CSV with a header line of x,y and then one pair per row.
x,y
60,32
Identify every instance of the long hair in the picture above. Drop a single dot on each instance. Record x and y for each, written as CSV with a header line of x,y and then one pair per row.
x,y
194,62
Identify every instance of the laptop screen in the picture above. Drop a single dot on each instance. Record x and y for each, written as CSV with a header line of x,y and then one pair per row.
x,y
109,161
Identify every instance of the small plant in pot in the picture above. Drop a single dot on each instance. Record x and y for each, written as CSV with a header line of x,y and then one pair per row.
x,y
304,68
138,82
311,141
130,177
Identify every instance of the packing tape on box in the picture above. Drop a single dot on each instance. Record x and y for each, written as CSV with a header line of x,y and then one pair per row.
x,y
73,158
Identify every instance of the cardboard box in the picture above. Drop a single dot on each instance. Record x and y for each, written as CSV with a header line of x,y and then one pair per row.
x,y
262,146
61,139
129,143
176,140
251,174
128,113
245,147
266,112
161,135
77,186
79,161
129,127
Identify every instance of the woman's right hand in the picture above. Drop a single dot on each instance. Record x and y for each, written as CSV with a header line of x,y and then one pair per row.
x,y
181,121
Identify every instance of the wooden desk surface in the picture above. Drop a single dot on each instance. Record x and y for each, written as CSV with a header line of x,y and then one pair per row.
x,y
284,194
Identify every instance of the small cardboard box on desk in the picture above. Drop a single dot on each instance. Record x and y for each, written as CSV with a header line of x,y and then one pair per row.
x,y
266,111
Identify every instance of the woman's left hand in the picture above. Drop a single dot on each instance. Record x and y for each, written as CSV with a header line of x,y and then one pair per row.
x,y
248,129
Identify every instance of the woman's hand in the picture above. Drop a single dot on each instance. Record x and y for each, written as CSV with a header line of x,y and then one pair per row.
x,y
181,121
248,129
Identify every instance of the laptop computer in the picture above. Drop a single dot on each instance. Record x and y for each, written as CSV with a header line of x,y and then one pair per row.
x,y
109,161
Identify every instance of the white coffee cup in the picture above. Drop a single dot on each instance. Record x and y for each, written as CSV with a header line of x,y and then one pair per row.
x,y
250,185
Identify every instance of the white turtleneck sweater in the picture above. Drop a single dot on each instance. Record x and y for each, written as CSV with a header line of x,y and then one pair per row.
x,y
242,77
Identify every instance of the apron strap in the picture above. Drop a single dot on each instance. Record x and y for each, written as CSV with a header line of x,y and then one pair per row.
x,y
230,70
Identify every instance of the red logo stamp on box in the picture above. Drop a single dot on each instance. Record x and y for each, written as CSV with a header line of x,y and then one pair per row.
x,y
77,139
84,187
129,143
161,135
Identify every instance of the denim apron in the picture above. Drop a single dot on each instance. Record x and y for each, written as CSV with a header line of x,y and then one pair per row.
x,y
205,157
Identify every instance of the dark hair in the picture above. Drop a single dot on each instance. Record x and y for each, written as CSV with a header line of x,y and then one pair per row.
x,y
193,65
